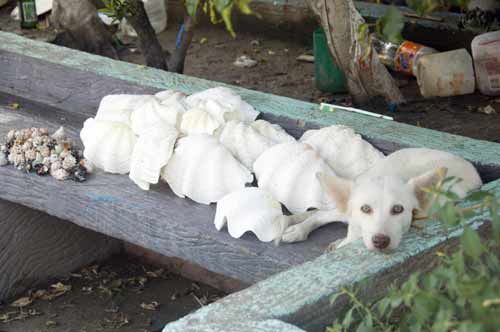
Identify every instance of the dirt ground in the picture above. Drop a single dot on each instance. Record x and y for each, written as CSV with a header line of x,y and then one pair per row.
x,y
122,294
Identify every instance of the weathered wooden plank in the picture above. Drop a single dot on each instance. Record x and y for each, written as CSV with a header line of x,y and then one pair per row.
x,y
37,246
270,325
157,220
82,79
301,296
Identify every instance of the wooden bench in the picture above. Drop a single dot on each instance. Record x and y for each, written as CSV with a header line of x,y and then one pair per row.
x,y
290,283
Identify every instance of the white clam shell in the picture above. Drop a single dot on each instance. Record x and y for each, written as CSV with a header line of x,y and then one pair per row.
x,y
167,96
288,172
344,150
228,99
244,142
272,131
152,113
202,169
118,108
199,121
108,145
250,210
151,153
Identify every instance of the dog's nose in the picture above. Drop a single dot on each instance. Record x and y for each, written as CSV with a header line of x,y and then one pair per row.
x,y
381,241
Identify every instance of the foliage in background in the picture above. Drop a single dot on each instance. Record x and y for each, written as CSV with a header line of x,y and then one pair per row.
x,y
461,294
390,25
218,10
116,9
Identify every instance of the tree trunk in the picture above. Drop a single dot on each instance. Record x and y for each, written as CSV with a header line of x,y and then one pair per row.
x,y
79,27
340,21
150,46
176,61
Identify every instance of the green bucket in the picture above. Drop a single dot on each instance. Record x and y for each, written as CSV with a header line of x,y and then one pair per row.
x,y
328,77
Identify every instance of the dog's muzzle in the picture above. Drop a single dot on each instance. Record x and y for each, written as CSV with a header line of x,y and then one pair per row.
x,y
381,241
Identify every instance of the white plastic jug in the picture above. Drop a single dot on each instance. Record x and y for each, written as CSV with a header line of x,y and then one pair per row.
x,y
446,74
486,53
157,14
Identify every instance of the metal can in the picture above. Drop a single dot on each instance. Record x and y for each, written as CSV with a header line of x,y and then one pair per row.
x,y
407,56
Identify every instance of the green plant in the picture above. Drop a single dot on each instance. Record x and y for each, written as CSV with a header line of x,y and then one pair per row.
x,y
461,294
391,24
219,10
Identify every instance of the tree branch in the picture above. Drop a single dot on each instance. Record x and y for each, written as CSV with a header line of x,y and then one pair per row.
x,y
177,60
150,46
340,21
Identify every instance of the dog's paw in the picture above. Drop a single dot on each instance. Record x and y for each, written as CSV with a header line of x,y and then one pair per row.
x,y
334,245
294,233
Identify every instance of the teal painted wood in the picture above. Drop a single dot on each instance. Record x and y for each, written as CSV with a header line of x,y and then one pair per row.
x,y
271,325
301,295
482,152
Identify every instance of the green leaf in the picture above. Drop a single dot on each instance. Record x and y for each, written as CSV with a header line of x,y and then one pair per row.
x,y
477,196
226,16
471,243
244,7
364,327
390,25
220,5
346,323
423,7
191,6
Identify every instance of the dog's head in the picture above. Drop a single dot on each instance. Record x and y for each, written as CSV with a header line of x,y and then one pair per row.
x,y
381,208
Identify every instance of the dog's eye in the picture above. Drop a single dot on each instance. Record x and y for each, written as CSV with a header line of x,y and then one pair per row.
x,y
366,209
397,209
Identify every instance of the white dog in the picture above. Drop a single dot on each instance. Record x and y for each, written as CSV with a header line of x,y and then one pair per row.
x,y
379,205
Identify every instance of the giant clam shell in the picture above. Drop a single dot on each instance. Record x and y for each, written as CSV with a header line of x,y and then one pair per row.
x,y
151,153
288,172
152,113
344,150
118,108
202,169
227,99
250,210
244,142
272,131
170,96
108,145
199,121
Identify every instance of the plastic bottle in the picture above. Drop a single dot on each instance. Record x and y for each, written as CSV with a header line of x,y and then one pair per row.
x,y
446,74
401,57
486,53
157,14
27,11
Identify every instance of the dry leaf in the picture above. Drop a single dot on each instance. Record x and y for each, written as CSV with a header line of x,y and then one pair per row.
x,y
150,306
13,106
155,274
22,302
50,323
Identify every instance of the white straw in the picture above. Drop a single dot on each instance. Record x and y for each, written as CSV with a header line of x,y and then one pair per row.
x,y
355,110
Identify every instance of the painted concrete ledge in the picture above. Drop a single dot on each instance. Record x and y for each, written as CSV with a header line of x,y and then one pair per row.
x,y
299,296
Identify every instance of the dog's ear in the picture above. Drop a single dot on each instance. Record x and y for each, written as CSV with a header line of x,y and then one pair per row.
x,y
337,188
427,180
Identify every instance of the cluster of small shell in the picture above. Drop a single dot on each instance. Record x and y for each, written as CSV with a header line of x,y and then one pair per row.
x,y
34,150
206,147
